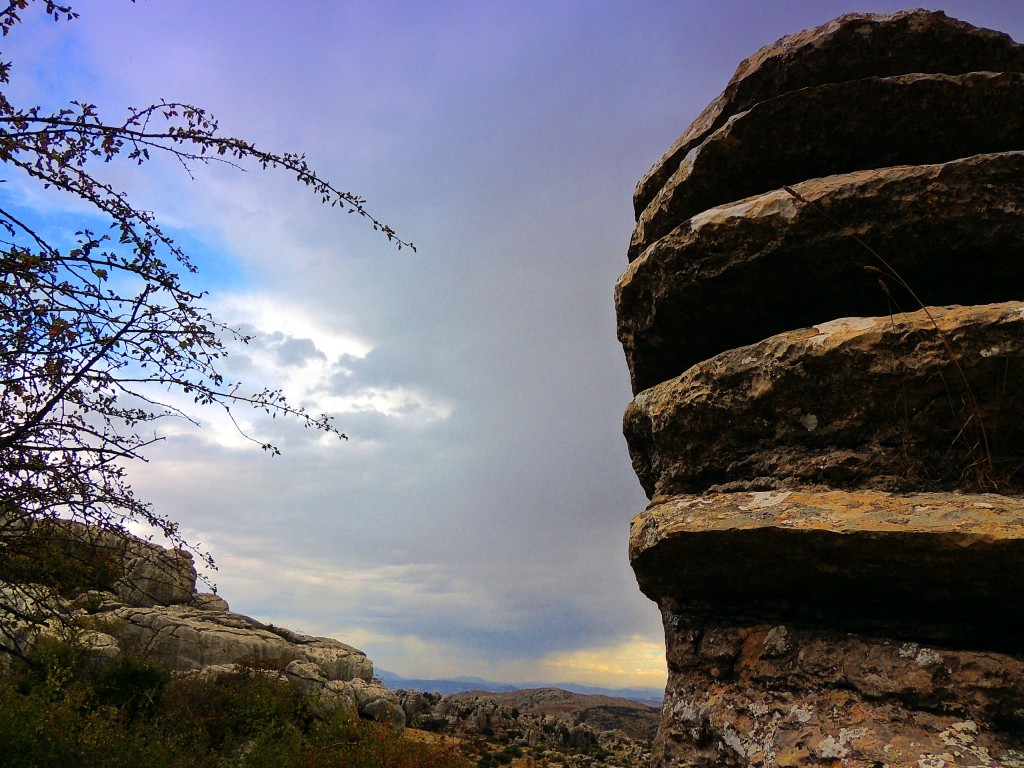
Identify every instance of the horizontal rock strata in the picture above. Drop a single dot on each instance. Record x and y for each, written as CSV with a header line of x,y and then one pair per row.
x,y
148,606
929,567
856,402
911,122
189,639
790,263
823,317
868,45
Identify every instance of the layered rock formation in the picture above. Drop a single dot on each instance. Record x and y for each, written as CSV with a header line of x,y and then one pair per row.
x,y
553,725
823,318
131,596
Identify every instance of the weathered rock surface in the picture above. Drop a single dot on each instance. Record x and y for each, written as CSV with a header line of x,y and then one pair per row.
x,y
139,572
857,402
156,576
780,695
838,579
189,638
929,567
152,609
851,47
820,131
541,718
952,231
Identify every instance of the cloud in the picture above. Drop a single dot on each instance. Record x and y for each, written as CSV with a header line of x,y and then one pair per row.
x,y
636,660
428,619
287,350
476,521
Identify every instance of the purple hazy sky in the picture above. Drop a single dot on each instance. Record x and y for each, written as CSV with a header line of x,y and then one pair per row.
x,y
476,522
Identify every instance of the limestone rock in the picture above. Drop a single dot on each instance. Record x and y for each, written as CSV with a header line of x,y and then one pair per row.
x,y
835,587
781,695
736,274
858,402
851,47
101,645
377,703
929,567
100,558
325,697
20,602
151,609
838,128
418,708
210,602
188,638
539,717
193,639
157,576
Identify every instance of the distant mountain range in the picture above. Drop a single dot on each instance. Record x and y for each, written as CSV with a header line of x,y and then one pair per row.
x,y
450,685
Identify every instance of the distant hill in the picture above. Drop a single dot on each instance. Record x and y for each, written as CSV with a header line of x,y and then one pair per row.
x,y
451,685
599,711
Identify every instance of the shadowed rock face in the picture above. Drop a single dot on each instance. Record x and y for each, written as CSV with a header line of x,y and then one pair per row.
x,y
789,266
924,567
823,317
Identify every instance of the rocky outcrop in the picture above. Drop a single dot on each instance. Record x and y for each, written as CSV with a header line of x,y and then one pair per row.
x,y
823,317
151,608
856,402
911,123
73,558
192,638
540,719
788,266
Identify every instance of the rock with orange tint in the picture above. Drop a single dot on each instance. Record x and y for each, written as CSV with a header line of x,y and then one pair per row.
x,y
786,695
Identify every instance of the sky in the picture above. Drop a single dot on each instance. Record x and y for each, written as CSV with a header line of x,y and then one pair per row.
x,y
476,521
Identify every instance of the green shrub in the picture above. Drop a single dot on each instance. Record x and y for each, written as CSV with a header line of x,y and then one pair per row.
x,y
58,556
132,685
63,709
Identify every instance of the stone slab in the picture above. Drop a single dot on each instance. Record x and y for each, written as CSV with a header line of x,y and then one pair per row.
x,y
853,46
838,128
738,273
932,567
856,402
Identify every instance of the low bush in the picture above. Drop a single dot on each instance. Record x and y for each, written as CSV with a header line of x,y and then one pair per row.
x,y
60,708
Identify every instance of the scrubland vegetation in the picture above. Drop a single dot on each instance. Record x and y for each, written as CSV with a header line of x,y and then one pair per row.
x,y
60,708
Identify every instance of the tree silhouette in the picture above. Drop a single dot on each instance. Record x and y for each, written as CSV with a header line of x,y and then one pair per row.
x,y
95,337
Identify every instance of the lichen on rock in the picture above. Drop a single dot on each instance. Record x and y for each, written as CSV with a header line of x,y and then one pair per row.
x,y
822,320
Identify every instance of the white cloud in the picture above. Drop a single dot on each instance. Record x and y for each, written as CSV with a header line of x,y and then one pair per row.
x,y
476,523
636,660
